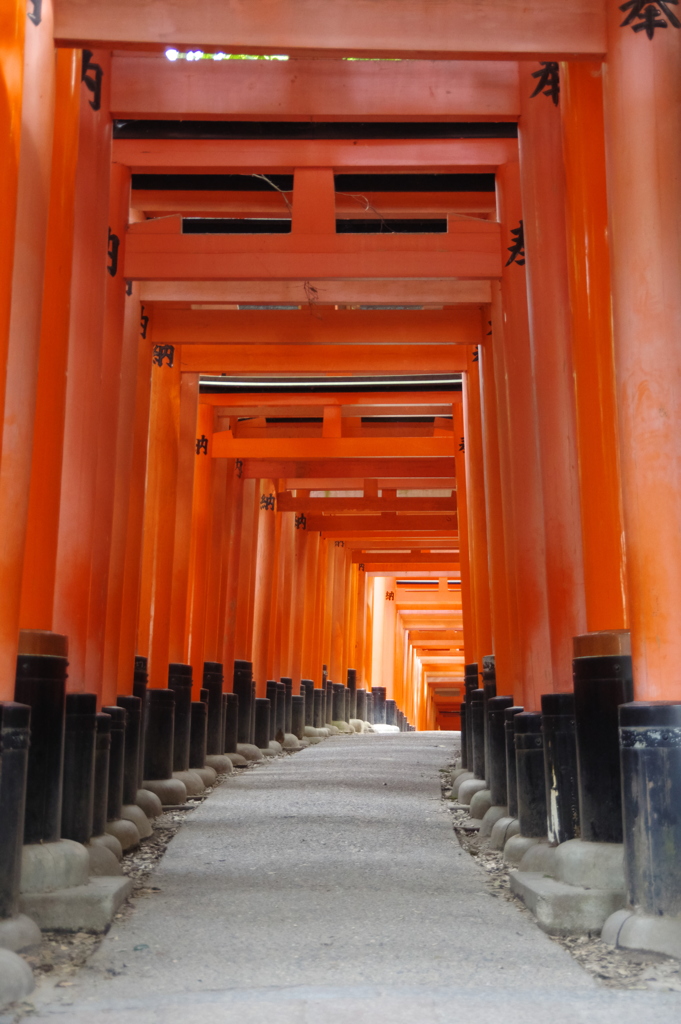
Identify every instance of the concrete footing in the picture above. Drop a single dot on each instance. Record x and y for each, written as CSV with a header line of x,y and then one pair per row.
x,y
103,860
135,814
249,751
125,831
631,929
356,724
207,775
480,804
238,760
587,887
88,908
19,932
149,803
193,782
468,789
16,978
291,742
49,866
458,782
169,791
516,848
491,816
502,830
220,763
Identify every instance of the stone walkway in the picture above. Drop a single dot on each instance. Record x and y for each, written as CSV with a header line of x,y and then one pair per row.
x,y
329,887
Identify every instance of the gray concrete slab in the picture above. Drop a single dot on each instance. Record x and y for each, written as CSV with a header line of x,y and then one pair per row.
x,y
329,886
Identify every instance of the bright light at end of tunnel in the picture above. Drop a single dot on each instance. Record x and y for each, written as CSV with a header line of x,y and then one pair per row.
x,y
172,54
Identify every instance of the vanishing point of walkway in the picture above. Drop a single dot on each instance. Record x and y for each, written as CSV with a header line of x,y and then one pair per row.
x,y
329,887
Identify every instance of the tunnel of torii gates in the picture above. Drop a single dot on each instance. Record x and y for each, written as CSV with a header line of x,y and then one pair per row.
x,y
368,364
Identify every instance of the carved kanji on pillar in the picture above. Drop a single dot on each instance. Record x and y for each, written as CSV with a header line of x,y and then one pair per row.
x,y
112,253
517,249
163,353
267,502
92,74
549,80
645,17
202,445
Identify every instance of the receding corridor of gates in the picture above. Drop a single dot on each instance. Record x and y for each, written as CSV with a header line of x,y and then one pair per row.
x,y
340,490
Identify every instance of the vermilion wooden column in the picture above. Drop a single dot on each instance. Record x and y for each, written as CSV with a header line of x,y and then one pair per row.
x,y
12,25
234,597
360,628
186,464
113,371
197,590
388,644
243,634
467,583
378,603
19,374
222,507
40,557
338,612
534,668
643,147
78,537
477,510
159,516
133,448
298,611
310,669
263,583
542,180
284,598
581,107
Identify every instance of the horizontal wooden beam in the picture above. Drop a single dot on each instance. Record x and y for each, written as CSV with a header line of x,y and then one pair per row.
x,y
520,29
151,87
322,359
459,326
398,567
311,506
367,206
350,484
366,468
443,291
157,250
227,447
425,558
283,156
392,522
348,400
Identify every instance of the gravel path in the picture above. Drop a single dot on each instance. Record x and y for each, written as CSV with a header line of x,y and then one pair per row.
x,y
330,886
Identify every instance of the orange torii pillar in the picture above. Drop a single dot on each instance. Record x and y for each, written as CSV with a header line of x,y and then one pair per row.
x,y
476,507
298,595
338,612
643,146
359,639
201,536
78,530
234,598
248,543
159,513
178,650
222,508
502,647
265,582
309,668
542,179
388,643
20,357
581,105
133,439
526,528
284,598
40,557
467,581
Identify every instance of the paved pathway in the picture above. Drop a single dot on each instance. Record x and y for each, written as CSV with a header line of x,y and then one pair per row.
x,y
329,887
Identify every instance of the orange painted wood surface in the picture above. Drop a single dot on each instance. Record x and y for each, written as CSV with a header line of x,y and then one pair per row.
x,y
414,523
186,465
227,447
321,359
197,597
477,508
366,468
40,557
592,345
20,337
321,399
318,293
146,86
283,156
360,28
314,326
289,503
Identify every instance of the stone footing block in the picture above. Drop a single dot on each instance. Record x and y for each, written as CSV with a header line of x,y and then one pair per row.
x,y
19,932
356,724
249,751
562,909
207,775
135,814
516,848
458,782
169,791
193,782
102,860
490,818
125,832
51,866
83,908
149,803
541,859
220,763
480,803
468,789
591,865
291,742
16,978
268,751
502,831
631,929
238,760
